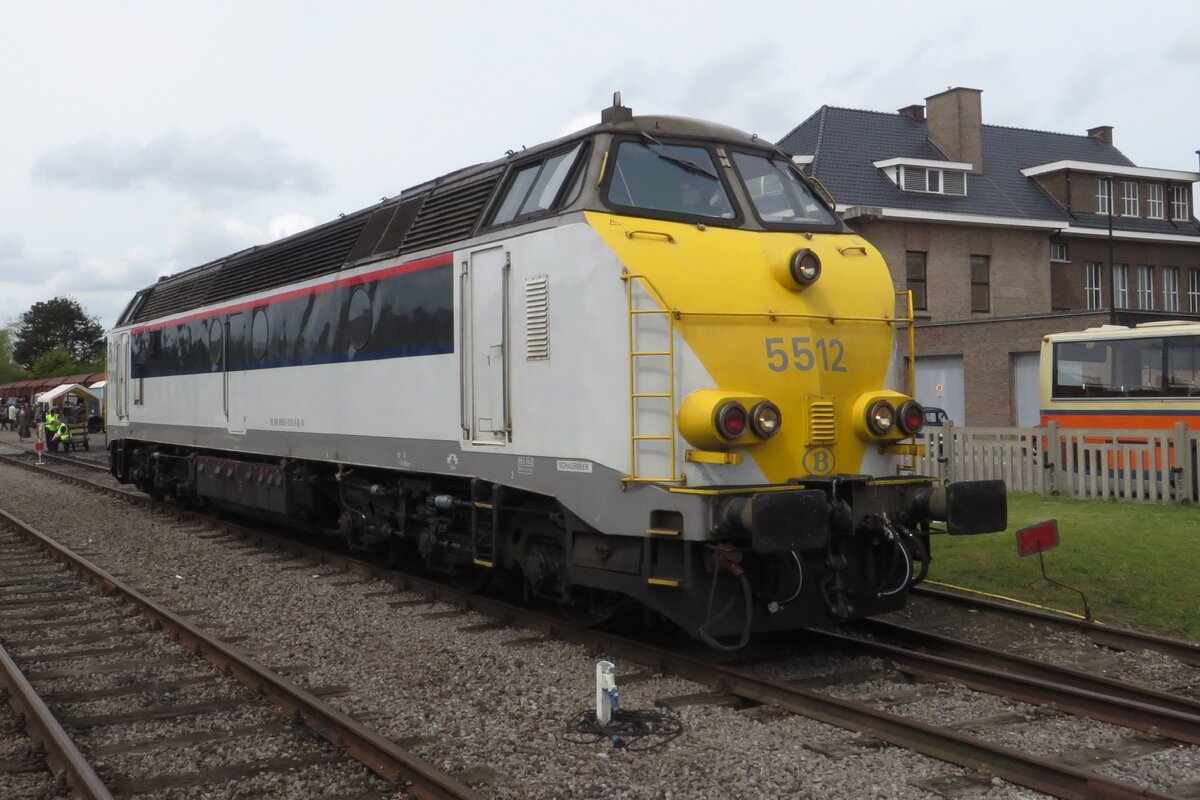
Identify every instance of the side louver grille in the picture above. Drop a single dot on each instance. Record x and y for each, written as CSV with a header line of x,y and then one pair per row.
x,y
450,215
537,318
306,257
820,422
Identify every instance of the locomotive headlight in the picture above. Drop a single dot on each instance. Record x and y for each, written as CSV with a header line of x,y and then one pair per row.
x,y
716,420
731,420
805,267
765,419
911,417
881,418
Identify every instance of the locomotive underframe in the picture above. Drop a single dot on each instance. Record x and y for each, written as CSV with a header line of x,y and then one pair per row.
x,y
775,558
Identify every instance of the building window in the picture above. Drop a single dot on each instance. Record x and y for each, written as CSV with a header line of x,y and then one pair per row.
x,y
1145,288
1129,198
1154,201
1091,286
1120,286
1179,202
1194,291
1170,276
914,266
980,293
1058,251
1103,196
933,181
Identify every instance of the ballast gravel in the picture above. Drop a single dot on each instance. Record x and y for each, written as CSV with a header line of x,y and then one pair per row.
x,y
489,705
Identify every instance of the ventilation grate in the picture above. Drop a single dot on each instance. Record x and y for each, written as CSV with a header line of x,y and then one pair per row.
x,y
821,421
537,318
450,215
177,294
299,259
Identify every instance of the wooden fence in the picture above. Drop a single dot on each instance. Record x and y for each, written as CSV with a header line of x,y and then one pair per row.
x,y
1144,465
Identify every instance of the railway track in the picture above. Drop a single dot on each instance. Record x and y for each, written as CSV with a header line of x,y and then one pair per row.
x,y
82,654
1163,714
1110,636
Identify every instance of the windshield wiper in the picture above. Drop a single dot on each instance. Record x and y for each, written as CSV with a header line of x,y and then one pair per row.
x,y
690,166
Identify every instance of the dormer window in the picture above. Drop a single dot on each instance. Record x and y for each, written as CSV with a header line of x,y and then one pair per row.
x,y
926,176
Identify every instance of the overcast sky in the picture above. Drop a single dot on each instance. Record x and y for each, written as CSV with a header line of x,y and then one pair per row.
x,y
142,138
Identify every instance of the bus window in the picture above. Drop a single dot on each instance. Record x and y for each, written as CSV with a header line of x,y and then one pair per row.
x,y
1183,366
1116,368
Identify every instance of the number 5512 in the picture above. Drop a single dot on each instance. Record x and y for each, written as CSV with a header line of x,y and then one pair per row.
x,y
805,354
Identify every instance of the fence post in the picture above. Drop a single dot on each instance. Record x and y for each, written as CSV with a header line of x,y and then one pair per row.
x,y
1052,456
1185,481
948,451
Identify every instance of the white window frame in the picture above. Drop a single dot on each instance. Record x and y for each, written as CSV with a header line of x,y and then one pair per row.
x,y
1154,201
1194,290
1103,198
1170,276
1120,286
1093,292
1145,287
1129,198
1058,252
1179,202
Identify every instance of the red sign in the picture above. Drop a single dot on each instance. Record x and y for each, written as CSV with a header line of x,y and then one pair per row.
x,y
1037,538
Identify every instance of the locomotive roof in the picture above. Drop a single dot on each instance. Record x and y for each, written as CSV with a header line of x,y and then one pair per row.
x,y
435,212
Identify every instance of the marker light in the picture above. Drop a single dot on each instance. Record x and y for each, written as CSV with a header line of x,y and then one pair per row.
x,y
805,267
881,418
911,417
731,420
765,419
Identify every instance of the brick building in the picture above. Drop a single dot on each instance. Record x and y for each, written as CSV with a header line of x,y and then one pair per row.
x,y
1003,236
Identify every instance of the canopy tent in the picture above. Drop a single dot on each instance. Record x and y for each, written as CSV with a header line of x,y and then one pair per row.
x,y
68,388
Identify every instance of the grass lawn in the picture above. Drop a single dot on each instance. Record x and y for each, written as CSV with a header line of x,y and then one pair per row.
x,y
1138,563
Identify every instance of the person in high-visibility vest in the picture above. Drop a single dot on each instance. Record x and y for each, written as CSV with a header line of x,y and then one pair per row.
x,y
49,428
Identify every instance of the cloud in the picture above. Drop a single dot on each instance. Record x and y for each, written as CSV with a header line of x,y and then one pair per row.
x,y
1183,51
234,160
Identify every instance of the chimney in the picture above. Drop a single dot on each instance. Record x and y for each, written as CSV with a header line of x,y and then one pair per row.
x,y
915,112
956,125
1103,133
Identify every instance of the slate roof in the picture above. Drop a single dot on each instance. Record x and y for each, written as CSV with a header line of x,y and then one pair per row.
x,y
844,142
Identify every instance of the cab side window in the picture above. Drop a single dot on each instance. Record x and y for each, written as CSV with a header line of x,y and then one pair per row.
x,y
536,187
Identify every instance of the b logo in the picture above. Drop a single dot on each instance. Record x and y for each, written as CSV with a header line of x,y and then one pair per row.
x,y
818,461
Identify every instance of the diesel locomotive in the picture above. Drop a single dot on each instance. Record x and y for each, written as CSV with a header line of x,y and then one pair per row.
x,y
645,363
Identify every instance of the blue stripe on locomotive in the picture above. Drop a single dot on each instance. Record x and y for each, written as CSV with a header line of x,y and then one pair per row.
x,y
412,314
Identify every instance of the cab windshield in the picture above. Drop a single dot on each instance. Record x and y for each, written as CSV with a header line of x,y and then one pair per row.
x,y
778,194
673,178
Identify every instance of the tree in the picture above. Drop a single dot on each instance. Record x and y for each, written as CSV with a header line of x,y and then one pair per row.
x,y
60,322
8,370
53,364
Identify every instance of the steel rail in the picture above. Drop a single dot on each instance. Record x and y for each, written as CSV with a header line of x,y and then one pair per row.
x,y
1033,772
378,753
1115,637
1026,687
1023,665
60,752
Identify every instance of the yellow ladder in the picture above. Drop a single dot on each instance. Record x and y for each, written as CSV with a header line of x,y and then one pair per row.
x,y
635,353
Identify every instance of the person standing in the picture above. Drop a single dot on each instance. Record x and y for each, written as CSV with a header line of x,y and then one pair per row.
x,y
11,413
23,422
